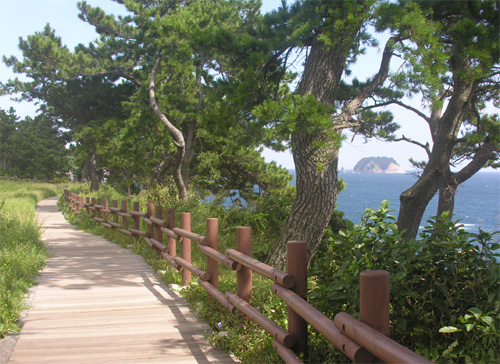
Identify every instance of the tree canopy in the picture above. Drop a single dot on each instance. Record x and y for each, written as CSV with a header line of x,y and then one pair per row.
x,y
190,91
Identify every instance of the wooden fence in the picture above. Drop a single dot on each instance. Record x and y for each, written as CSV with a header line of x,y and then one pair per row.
x,y
363,341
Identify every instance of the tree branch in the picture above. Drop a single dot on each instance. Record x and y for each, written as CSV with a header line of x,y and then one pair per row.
x,y
397,102
485,153
351,107
176,133
425,146
131,78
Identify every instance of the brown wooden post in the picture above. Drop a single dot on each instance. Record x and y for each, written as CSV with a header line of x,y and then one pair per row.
x,y
114,213
98,210
150,210
124,218
158,234
171,244
212,264
78,201
374,301
87,200
297,267
186,247
374,298
244,275
106,207
136,219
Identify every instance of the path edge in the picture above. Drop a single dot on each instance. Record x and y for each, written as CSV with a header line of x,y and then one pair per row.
x,y
8,343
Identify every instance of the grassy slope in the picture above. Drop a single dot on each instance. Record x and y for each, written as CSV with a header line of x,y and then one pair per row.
x,y
22,254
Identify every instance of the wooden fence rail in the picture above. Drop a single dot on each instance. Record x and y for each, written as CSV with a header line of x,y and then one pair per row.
x,y
363,341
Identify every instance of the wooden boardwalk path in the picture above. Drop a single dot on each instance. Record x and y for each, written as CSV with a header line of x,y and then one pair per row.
x,y
99,303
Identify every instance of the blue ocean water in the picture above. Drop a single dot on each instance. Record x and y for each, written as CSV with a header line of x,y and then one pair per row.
x,y
477,202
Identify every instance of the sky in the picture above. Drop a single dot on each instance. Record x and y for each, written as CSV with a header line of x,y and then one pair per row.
x,y
21,18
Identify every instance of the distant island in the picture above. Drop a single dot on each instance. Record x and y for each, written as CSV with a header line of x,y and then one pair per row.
x,y
378,165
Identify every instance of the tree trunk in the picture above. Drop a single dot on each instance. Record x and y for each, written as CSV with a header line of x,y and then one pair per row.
x,y
315,159
179,181
415,200
176,134
315,153
447,191
189,153
89,172
315,200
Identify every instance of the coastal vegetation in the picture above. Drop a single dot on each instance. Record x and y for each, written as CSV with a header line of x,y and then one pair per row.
x,y
445,302
22,253
175,101
190,91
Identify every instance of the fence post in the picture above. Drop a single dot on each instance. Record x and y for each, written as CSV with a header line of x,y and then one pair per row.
x,y
170,219
150,210
87,207
98,210
212,264
374,304
106,207
374,298
244,275
297,267
186,247
114,213
78,202
124,218
136,219
158,234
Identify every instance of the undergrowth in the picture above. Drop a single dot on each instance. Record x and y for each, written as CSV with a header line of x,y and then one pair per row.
x,y
444,285
231,332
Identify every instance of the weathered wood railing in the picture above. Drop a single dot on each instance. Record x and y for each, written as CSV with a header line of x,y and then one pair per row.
x,y
363,341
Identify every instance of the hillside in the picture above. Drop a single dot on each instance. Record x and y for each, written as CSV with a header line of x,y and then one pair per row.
x,y
378,165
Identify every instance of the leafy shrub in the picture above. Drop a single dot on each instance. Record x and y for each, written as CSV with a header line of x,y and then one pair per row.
x,y
444,285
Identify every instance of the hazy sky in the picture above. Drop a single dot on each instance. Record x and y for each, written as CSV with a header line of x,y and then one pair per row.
x,y
20,18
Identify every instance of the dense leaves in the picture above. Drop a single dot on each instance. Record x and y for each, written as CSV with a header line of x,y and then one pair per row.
x,y
445,302
32,148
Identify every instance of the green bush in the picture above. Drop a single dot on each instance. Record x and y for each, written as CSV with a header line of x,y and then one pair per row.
x,y
444,285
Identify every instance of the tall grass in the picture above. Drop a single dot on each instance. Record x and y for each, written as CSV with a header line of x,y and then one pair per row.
x,y
22,253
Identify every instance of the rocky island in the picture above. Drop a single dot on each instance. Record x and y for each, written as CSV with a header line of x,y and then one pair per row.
x,y
378,165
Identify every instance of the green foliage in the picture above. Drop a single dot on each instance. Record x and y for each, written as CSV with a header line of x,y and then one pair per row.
x,y
444,286
7,130
436,281
22,254
447,45
297,114
32,148
234,333
265,215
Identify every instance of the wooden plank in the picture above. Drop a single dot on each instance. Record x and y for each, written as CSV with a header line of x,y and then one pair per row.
x,y
99,303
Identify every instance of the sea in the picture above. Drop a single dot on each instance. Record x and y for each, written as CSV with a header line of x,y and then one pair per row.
x,y
477,201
